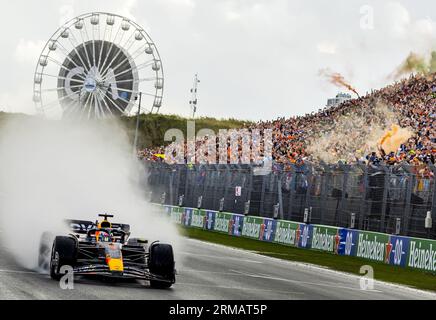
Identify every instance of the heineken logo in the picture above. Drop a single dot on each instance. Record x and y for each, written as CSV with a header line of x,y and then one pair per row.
x,y
197,220
251,229
285,234
221,224
176,217
370,249
422,257
323,240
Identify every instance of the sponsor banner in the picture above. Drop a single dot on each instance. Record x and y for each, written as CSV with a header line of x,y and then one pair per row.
x,y
210,219
268,229
236,225
304,234
325,238
422,254
372,245
177,214
222,222
168,209
186,219
198,218
397,250
286,232
348,242
252,227
394,250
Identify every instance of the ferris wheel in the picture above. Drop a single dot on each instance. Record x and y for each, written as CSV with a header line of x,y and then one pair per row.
x,y
98,65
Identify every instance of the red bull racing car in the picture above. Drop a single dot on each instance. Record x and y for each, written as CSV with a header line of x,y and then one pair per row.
x,y
106,249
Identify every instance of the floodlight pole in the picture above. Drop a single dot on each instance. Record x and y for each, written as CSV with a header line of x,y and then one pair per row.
x,y
193,101
135,141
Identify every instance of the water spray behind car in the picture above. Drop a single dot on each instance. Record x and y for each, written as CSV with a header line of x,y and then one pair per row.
x,y
56,170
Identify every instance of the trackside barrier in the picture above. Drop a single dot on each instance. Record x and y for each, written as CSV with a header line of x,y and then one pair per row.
x,y
390,249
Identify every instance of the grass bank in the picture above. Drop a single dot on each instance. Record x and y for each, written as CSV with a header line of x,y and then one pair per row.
x,y
152,127
384,272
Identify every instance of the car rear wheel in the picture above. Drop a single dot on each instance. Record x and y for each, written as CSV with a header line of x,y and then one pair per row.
x,y
63,253
161,263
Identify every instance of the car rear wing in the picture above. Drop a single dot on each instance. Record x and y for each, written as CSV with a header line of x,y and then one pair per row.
x,y
83,226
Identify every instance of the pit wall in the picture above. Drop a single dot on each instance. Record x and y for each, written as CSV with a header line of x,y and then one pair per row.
x,y
390,249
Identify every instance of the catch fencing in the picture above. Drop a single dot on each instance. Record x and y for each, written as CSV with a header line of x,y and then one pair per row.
x,y
389,199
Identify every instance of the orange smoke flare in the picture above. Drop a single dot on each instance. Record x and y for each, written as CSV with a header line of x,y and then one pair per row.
x,y
337,79
393,138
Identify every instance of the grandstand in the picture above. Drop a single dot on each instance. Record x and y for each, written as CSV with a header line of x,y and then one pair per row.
x,y
350,132
334,163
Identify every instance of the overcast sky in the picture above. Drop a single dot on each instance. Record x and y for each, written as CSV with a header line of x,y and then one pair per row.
x,y
255,59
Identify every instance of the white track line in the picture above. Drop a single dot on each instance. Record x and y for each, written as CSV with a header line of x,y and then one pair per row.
x,y
320,284
237,288
216,257
17,271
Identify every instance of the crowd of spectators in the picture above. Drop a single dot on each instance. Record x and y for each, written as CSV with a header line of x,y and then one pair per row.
x,y
411,101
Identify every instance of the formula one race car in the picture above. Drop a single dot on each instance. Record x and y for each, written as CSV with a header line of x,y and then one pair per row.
x,y
104,248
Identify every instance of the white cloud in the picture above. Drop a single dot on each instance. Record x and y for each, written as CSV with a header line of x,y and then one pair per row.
x,y
128,9
398,18
255,55
28,51
232,15
66,12
326,47
186,3
425,26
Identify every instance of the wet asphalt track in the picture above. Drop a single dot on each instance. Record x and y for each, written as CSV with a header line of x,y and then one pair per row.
x,y
208,271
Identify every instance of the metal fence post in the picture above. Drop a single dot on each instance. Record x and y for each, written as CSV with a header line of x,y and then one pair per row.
x,y
363,200
187,179
324,189
250,185
382,227
292,187
262,196
344,169
407,211
433,202
228,181
308,177
171,186
279,192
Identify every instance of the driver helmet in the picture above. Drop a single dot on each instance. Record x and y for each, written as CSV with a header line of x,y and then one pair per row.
x,y
104,224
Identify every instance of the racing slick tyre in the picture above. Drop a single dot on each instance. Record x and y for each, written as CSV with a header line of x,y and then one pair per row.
x,y
63,253
161,263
